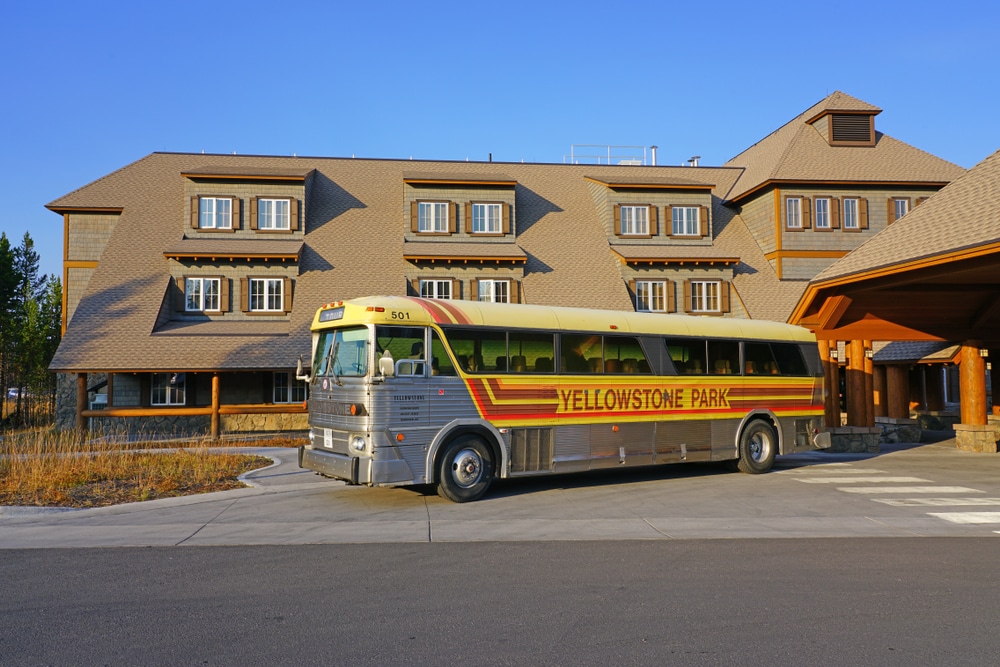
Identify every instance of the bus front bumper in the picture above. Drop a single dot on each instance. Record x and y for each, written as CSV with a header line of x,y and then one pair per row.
x,y
338,466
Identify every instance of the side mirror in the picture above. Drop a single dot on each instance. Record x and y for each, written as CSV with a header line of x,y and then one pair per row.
x,y
300,374
386,366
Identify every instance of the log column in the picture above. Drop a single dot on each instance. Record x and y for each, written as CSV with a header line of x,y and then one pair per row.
x,y
897,389
869,385
879,379
857,412
215,406
972,381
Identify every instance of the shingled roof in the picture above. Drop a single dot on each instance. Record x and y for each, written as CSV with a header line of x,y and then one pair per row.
x,y
797,152
963,217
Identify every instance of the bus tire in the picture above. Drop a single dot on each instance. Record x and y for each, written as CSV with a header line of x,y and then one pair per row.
x,y
758,446
465,469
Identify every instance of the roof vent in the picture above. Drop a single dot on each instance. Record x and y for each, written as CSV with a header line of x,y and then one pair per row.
x,y
854,129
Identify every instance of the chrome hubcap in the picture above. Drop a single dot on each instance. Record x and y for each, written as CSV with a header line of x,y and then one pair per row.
x,y
466,468
759,445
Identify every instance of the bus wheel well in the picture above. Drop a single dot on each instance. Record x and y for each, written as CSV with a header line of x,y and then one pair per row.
x,y
477,431
758,445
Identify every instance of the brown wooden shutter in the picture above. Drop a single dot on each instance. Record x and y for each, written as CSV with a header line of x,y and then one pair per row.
x,y
687,295
253,213
237,205
415,219
703,221
245,294
474,289
671,297
617,219
194,212
863,213
293,214
224,306
452,217
145,389
515,291
631,289
834,213
806,212
468,217
724,296
415,286
920,200
890,211
668,220
456,288
287,295
654,223
179,301
505,208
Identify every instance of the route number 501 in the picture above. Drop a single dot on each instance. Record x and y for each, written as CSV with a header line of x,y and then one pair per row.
x,y
400,315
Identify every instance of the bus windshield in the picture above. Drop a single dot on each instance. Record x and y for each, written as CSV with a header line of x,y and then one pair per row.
x,y
342,353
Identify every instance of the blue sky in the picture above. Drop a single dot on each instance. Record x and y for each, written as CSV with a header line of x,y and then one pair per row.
x,y
89,87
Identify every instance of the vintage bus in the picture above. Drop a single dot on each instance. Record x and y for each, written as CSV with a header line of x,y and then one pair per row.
x,y
406,390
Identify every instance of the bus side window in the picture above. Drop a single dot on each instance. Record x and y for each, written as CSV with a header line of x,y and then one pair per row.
x,y
758,359
440,361
581,353
688,355
477,350
724,357
624,354
531,352
789,358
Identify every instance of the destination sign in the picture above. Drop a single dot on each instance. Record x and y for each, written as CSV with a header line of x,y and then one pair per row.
x,y
332,314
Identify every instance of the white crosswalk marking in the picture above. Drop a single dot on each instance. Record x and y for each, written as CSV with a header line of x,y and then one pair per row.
x,y
968,517
936,502
907,489
852,480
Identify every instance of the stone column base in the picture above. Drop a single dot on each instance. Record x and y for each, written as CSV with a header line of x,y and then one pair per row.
x,y
981,438
854,439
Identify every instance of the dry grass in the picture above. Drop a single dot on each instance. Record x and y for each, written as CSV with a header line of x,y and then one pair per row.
x,y
42,468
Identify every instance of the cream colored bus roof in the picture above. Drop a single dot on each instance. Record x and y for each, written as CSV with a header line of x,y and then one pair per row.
x,y
414,311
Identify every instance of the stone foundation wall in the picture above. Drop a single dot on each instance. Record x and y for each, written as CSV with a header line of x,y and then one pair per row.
x,y
899,430
977,438
854,439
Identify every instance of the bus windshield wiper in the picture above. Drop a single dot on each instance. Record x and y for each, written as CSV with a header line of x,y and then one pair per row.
x,y
332,363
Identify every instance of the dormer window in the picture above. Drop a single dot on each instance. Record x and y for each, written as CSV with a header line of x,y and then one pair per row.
x,y
273,214
215,213
432,216
634,220
487,218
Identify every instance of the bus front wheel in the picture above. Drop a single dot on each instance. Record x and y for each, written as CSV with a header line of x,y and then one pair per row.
x,y
758,446
465,470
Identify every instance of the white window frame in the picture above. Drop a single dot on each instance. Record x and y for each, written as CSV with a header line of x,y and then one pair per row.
x,y
495,291
487,218
900,204
821,213
685,221
274,214
167,389
202,295
793,213
267,295
705,296
286,389
852,213
432,217
651,296
436,289
215,213
634,220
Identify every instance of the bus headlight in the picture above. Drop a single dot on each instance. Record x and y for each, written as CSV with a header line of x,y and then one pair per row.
x,y
358,443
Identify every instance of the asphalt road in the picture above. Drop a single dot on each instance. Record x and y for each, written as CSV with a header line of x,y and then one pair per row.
x,y
909,601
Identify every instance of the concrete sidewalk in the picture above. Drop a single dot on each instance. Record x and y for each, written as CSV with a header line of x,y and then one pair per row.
x,y
907,490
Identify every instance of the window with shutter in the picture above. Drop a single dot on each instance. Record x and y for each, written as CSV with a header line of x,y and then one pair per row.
x,y
685,221
433,217
793,213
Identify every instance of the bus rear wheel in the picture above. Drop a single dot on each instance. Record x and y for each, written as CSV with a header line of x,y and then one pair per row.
x,y
758,446
465,469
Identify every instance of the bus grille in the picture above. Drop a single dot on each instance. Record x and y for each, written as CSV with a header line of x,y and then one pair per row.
x,y
530,449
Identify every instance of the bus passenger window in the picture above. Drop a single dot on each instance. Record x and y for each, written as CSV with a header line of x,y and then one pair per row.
x,y
623,354
477,350
402,342
758,359
440,361
724,357
531,351
789,358
582,353
688,355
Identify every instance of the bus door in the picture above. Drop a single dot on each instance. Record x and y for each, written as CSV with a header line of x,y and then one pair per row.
x,y
402,400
